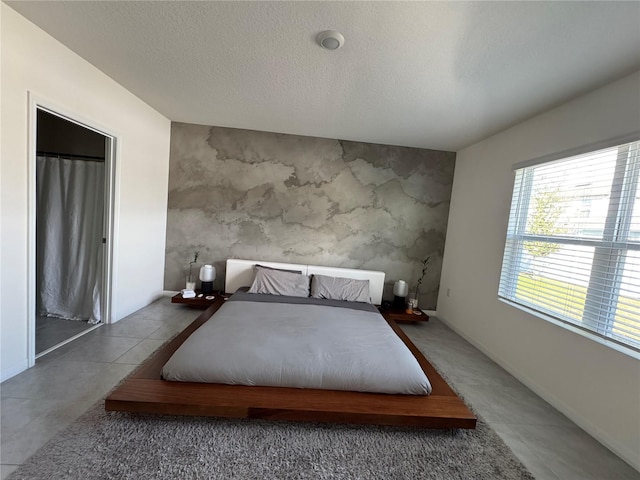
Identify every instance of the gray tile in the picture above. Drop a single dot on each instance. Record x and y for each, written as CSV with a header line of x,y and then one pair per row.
x,y
60,351
457,359
145,322
7,470
526,455
164,333
18,412
98,348
165,309
18,386
482,371
514,405
65,380
19,446
109,378
181,314
132,327
53,415
572,454
140,352
170,330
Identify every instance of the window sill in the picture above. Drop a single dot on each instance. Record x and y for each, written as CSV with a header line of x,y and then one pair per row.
x,y
601,340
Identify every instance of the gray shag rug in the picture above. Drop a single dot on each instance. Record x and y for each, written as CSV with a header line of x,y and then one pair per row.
x,y
114,445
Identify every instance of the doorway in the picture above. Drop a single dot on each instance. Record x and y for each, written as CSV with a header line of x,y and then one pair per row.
x,y
72,172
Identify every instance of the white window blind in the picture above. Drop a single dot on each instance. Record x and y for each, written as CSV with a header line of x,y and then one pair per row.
x,y
573,242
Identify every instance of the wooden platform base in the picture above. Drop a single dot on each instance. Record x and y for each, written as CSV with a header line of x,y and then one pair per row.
x,y
146,392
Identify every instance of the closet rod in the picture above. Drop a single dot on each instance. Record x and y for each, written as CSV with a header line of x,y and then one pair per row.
x,y
72,156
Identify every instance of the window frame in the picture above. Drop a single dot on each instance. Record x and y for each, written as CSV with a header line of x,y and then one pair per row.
x,y
615,242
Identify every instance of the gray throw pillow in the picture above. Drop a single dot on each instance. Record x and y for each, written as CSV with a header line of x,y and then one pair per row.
x,y
278,282
257,266
337,288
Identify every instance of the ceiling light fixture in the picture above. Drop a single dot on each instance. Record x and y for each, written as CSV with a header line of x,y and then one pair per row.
x,y
330,39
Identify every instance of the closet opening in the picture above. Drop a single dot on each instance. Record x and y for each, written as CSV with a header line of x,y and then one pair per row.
x,y
72,173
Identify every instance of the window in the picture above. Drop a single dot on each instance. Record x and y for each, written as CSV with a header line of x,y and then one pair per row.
x,y
573,242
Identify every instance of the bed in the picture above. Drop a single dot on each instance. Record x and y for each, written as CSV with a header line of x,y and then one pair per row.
x,y
376,393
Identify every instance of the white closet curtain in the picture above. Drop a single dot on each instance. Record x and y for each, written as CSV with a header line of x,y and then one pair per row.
x,y
70,205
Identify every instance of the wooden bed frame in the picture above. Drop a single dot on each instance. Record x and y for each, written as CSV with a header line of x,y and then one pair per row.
x,y
146,392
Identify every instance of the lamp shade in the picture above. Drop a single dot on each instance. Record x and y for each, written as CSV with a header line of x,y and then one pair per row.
x,y
207,273
400,288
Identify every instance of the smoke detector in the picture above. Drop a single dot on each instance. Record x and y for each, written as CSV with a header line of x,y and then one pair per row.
x,y
330,39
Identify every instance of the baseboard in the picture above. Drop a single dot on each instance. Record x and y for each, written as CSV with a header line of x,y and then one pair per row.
x,y
14,370
617,448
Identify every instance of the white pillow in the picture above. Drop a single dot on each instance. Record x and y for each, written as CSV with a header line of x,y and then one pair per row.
x,y
338,288
279,282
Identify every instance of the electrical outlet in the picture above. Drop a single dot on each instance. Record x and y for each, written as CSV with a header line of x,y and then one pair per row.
x,y
448,292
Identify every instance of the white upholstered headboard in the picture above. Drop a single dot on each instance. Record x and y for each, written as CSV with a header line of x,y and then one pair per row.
x,y
240,273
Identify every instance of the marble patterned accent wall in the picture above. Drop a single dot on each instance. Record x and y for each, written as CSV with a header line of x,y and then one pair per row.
x,y
246,194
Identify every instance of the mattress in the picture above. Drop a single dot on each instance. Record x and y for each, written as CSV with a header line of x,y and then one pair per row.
x,y
279,341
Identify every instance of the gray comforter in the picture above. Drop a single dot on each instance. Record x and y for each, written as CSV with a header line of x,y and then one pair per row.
x,y
259,340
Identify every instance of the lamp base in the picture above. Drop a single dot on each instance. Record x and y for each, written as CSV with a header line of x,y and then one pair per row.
x,y
206,287
399,302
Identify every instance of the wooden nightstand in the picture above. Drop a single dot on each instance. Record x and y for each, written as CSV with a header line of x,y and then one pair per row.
x,y
198,302
402,316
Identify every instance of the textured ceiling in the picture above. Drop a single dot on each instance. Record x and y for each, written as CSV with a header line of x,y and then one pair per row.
x,y
438,75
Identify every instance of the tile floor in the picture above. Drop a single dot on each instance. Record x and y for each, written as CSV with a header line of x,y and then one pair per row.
x,y
51,331
38,403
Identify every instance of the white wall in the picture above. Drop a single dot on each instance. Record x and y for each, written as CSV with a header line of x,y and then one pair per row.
x,y
597,387
33,61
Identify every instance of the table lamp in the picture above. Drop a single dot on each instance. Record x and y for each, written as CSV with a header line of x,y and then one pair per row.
x,y
207,276
400,291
